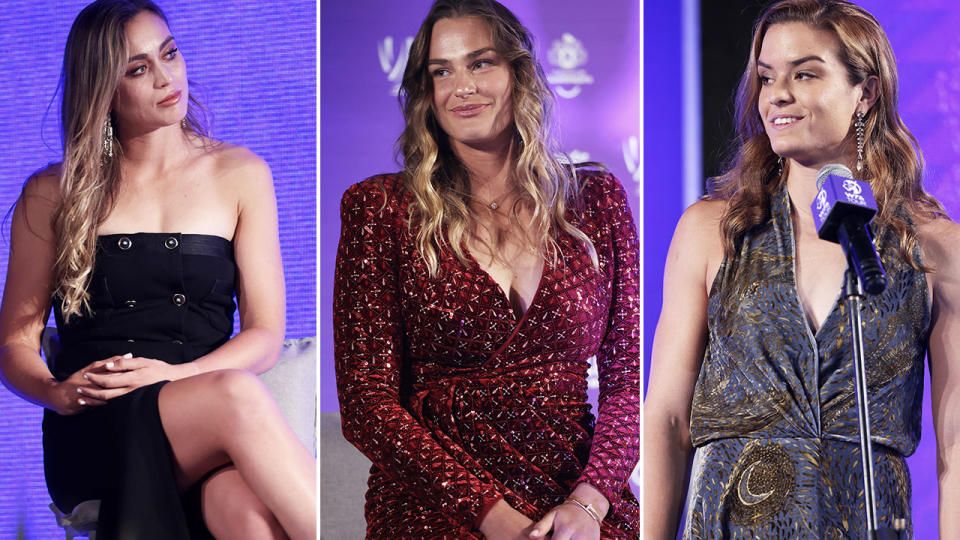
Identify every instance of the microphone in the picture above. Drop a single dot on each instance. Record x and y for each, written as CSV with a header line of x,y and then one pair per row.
x,y
841,212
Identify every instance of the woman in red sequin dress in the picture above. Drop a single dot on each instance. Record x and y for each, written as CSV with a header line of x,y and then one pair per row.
x,y
471,290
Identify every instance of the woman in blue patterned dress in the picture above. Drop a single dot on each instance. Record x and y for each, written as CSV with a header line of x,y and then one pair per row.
x,y
752,373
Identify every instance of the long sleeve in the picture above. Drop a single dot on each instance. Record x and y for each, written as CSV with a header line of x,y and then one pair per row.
x,y
615,447
369,341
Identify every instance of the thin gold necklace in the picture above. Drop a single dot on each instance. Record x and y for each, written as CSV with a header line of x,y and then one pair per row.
x,y
493,205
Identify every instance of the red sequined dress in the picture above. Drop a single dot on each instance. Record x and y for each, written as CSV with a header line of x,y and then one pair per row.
x,y
457,401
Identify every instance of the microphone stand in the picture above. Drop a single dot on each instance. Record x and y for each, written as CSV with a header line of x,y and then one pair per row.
x,y
853,296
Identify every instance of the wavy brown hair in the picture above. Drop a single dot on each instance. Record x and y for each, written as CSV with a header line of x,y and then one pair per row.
x,y
440,182
93,64
893,162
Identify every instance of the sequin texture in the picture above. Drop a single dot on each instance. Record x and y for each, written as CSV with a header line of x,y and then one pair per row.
x,y
456,401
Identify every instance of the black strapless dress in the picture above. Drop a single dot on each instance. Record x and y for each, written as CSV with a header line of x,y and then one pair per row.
x,y
155,295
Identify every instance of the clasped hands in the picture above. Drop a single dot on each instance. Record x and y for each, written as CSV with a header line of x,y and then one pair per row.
x,y
566,521
107,379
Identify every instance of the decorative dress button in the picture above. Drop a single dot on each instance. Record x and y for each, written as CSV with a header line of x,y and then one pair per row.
x,y
179,299
171,243
124,243
131,341
177,342
130,303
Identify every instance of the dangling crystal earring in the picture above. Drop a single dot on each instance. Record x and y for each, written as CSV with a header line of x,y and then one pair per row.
x,y
183,123
780,166
107,138
860,126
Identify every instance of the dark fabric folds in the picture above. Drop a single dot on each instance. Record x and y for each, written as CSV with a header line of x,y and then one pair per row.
x,y
165,296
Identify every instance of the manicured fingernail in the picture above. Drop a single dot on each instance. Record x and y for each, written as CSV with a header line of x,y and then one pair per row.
x,y
85,377
82,402
109,365
79,390
128,355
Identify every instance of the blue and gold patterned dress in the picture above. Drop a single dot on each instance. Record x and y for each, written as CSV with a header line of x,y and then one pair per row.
x,y
774,417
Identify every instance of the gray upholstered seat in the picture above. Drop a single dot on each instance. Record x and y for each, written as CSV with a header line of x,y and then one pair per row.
x,y
343,483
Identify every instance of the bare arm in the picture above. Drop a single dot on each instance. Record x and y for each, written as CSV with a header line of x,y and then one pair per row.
x,y
678,348
26,299
939,240
260,285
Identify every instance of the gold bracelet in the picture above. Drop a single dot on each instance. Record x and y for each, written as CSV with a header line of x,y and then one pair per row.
x,y
588,508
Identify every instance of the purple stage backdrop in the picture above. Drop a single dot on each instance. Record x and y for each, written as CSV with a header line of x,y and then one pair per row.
x,y
589,51
924,38
253,65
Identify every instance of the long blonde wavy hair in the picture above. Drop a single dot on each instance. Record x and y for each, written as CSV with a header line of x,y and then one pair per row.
x,y
439,181
93,64
893,162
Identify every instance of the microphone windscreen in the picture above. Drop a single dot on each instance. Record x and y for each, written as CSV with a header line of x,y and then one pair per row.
x,y
835,169
840,197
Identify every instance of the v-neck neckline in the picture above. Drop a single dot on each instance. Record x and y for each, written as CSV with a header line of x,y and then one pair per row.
x,y
810,324
504,295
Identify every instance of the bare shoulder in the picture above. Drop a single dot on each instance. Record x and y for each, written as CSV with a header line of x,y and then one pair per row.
x,y
697,246
239,164
44,184
939,238
241,176
703,213
700,224
38,202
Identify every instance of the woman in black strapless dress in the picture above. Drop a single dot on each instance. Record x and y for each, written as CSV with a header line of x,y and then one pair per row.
x,y
151,407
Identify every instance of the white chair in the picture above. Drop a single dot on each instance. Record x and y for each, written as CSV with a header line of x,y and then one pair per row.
x,y
292,381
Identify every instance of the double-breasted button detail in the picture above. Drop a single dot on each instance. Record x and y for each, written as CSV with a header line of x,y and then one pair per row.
x,y
130,303
124,243
179,299
171,242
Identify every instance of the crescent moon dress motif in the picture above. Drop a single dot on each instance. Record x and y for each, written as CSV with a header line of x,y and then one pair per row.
x,y
743,489
763,485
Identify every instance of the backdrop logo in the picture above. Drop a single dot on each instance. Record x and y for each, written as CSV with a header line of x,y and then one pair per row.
x,y
631,156
567,54
393,64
